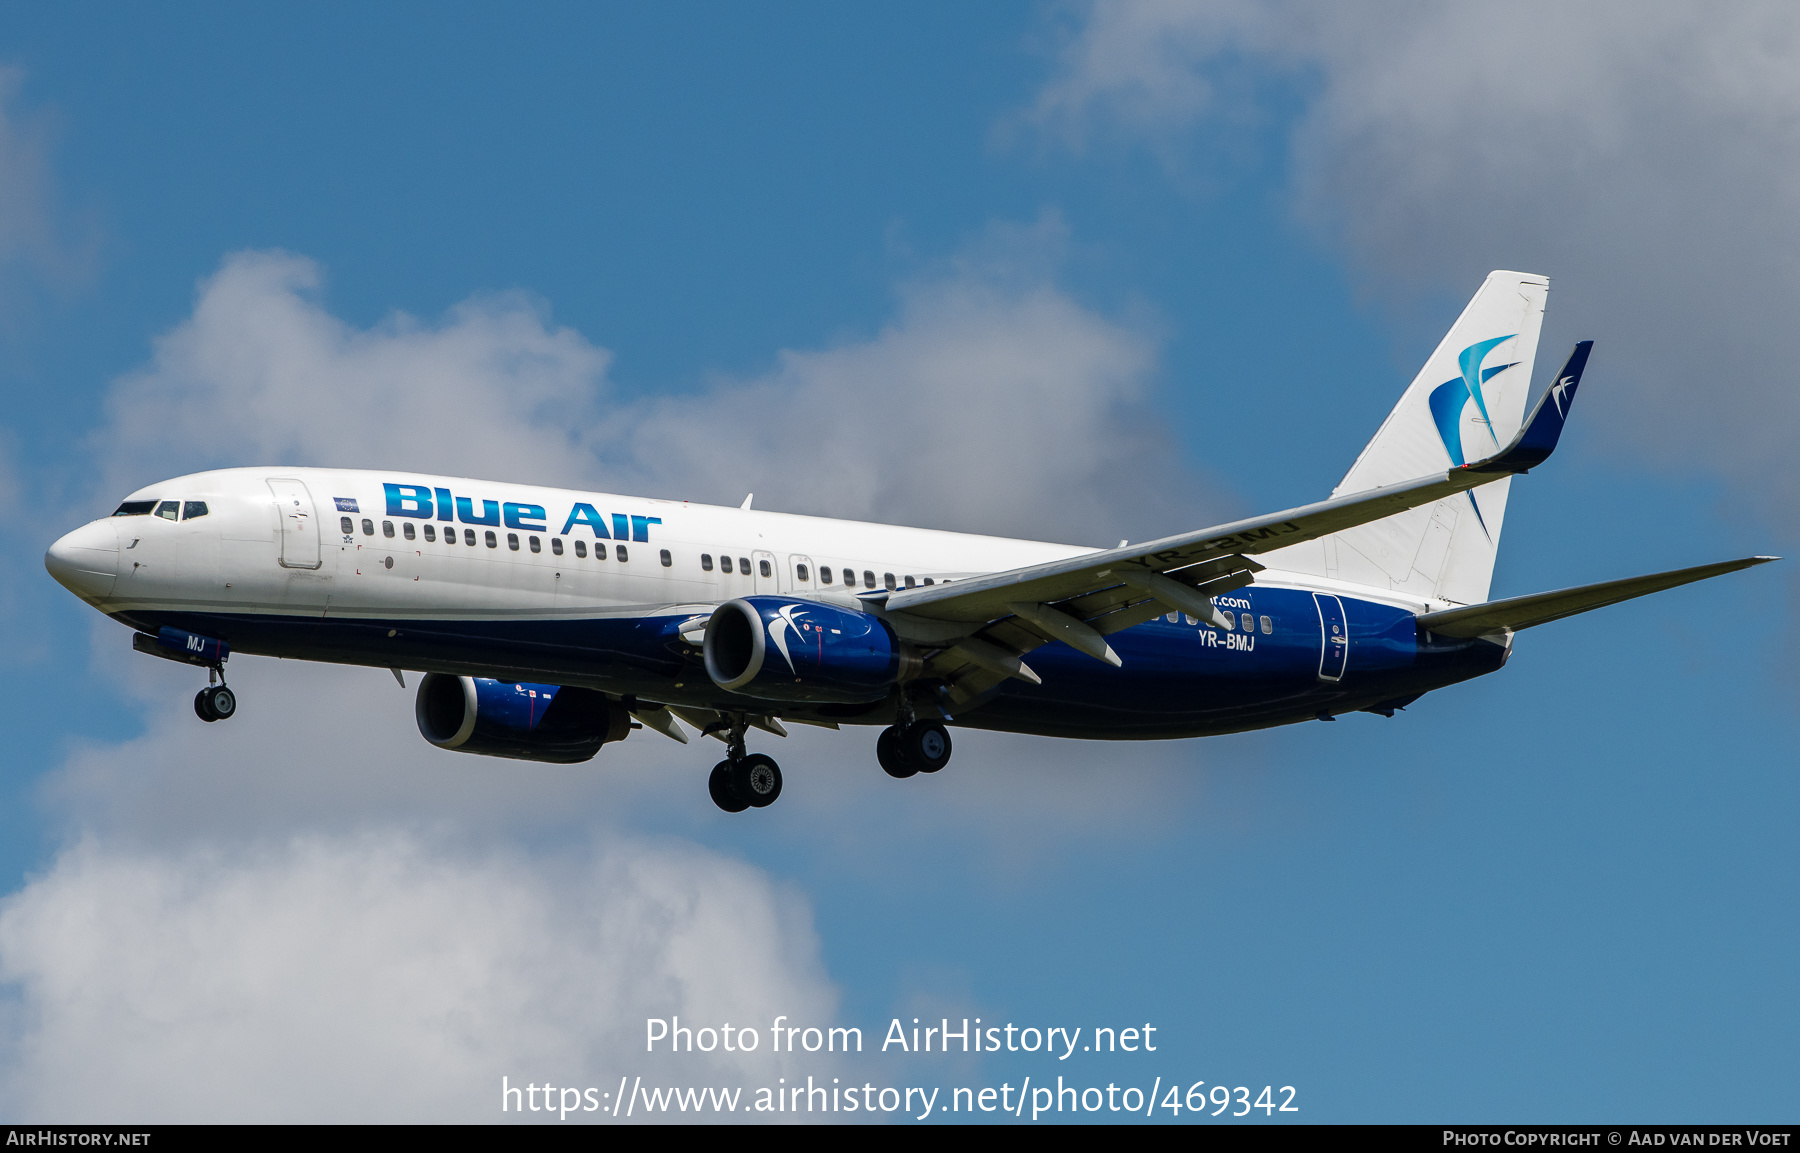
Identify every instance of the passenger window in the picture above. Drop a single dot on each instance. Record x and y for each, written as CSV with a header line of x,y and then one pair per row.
x,y
368,527
1230,621
192,509
744,565
407,530
910,583
556,545
619,551
824,574
762,566
667,560
135,508
387,529
430,533
512,541
887,579
536,545
581,548
724,564
348,525
469,536
493,543
1174,618
928,580
868,579
169,509
1189,619
1268,626
705,562
800,573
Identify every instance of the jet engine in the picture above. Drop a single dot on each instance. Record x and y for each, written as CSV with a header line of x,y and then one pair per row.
x,y
780,649
551,723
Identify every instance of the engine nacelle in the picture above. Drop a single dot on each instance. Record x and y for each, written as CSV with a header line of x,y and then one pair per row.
x,y
780,649
551,723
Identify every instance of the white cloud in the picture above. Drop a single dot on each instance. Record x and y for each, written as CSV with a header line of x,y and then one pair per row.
x,y
992,402
1646,156
262,373
30,237
381,977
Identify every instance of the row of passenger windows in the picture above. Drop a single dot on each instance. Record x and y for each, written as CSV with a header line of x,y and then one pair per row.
x,y
1248,623
168,509
725,563
803,573
490,538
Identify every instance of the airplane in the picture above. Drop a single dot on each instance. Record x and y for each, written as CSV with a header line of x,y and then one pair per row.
x,y
549,622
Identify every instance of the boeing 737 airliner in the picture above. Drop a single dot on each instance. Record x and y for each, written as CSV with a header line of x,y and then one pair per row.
x,y
550,622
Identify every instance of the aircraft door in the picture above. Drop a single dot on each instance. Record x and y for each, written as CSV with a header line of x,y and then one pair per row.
x,y
800,574
299,527
1334,637
766,579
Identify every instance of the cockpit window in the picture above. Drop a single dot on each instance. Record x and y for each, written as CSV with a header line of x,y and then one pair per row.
x,y
136,508
169,509
193,508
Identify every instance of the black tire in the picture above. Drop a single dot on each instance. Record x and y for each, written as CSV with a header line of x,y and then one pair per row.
x,y
719,785
757,780
893,758
221,702
200,707
926,744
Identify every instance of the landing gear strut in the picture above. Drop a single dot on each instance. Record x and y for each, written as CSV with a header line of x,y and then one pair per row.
x,y
743,780
913,747
215,702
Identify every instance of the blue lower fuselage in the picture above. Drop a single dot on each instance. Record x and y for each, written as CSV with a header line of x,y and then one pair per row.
x,y
1178,679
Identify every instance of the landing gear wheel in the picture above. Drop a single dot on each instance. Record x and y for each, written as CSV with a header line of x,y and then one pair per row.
x,y
893,758
217,703
220,701
756,780
719,785
926,744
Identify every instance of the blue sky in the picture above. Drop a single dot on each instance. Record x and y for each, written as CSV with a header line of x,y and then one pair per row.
x,y
627,246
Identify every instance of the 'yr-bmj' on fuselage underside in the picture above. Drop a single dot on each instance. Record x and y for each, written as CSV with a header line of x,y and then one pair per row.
x,y
550,622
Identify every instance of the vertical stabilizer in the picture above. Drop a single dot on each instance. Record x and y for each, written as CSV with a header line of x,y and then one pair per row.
x,y
1467,402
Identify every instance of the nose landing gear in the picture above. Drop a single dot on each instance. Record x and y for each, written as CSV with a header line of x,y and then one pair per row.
x,y
215,702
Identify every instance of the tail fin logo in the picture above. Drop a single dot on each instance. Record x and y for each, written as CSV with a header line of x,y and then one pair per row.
x,y
1450,399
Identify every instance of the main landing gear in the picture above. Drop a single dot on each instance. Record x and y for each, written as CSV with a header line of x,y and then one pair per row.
x,y
744,780
215,702
914,747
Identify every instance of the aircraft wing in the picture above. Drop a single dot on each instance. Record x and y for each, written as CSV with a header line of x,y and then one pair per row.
x,y
1082,599
1542,608
984,598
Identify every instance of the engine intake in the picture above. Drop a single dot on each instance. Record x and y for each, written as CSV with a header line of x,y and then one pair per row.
x,y
775,648
552,723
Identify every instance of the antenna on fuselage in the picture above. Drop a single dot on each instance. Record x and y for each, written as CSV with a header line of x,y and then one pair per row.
x,y
745,507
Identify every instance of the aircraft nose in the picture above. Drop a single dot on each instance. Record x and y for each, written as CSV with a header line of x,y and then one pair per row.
x,y
86,561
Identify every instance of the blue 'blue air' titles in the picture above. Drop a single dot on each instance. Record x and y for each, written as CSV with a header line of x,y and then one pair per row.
x,y
422,502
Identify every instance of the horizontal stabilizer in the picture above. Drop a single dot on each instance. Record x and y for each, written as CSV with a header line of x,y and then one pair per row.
x,y
1541,608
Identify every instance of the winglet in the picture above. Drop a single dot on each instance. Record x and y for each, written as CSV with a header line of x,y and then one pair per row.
x,y
1537,440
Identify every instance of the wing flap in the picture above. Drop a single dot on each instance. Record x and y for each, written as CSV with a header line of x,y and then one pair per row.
x,y
1541,608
